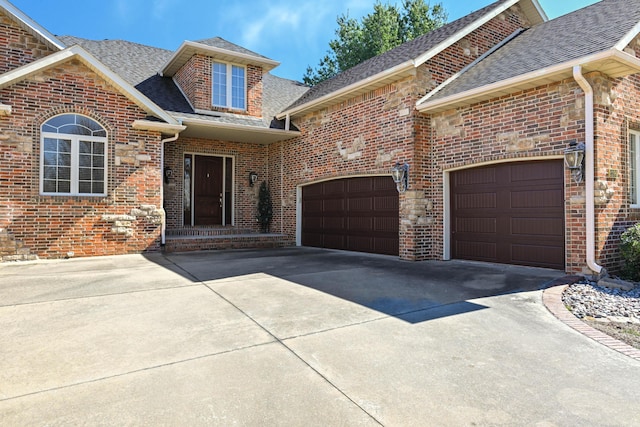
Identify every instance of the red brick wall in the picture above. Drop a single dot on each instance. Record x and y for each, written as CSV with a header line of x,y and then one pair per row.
x,y
247,158
195,80
17,47
369,133
616,112
53,226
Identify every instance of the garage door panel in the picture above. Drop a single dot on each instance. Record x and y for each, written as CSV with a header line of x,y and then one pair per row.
x,y
358,214
535,256
477,251
537,227
476,225
476,201
536,199
518,219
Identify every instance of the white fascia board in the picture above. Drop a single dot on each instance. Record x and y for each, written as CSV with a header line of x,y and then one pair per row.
x,y
352,87
524,78
540,10
90,61
462,33
36,28
157,126
628,38
195,47
217,125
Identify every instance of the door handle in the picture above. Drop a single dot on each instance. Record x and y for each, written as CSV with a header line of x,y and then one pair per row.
x,y
220,199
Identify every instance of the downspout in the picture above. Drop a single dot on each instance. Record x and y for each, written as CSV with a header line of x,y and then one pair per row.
x,y
589,168
163,232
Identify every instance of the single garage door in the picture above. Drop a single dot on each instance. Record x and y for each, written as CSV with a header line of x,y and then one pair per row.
x,y
510,213
354,214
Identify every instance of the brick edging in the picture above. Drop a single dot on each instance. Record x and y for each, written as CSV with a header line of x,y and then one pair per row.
x,y
552,299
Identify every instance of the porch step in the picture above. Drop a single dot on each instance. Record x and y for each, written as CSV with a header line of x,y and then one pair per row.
x,y
202,239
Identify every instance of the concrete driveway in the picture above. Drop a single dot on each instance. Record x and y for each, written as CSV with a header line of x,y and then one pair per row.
x,y
297,337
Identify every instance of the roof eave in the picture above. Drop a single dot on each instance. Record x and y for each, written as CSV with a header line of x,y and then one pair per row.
x,y
200,128
90,61
625,64
351,90
32,26
189,48
165,128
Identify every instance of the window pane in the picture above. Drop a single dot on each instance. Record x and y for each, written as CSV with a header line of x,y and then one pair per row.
x,y
64,145
98,188
64,173
85,147
84,174
98,175
219,84
64,186
85,161
74,124
237,87
64,159
98,147
50,144
50,159
84,187
49,186
98,161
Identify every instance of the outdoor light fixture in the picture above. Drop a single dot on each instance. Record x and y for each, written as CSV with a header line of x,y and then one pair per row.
x,y
400,174
253,177
573,158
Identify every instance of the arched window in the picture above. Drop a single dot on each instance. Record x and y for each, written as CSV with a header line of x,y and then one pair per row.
x,y
73,156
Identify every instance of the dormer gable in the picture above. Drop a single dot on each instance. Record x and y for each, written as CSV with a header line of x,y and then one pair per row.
x,y
217,75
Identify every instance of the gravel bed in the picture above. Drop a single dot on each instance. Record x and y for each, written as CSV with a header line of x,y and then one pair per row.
x,y
591,300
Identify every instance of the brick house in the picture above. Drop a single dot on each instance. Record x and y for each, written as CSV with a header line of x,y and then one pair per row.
x,y
110,147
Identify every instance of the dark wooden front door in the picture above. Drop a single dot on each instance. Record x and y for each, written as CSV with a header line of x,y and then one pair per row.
x,y
355,214
207,190
510,213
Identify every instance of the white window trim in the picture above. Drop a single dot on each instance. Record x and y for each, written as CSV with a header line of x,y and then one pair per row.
x,y
75,160
635,163
229,86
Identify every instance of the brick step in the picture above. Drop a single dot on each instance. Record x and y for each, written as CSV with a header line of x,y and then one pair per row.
x,y
207,231
226,241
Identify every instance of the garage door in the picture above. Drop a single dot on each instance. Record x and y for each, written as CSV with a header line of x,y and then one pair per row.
x,y
354,214
511,213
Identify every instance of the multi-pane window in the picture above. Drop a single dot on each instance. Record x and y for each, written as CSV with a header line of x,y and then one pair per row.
x,y
634,157
73,156
229,86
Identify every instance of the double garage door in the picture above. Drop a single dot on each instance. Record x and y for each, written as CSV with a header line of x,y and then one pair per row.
x,y
354,214
510,213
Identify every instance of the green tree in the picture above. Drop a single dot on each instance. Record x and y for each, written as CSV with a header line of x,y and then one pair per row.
x,y
385,28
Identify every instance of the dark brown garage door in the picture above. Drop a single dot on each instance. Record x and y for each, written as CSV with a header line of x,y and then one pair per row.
x,y
354,214
511,213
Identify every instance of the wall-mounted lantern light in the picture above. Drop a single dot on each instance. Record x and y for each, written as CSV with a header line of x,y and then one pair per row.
x,y
168,174
253,177
400,174
573,159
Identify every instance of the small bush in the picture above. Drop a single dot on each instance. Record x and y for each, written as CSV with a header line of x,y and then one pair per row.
x,y
630,248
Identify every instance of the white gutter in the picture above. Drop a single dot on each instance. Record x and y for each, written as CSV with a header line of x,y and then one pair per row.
x,y
589,168
163,230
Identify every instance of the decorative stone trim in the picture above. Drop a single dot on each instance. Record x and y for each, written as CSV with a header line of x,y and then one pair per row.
x,y
124,224
12,249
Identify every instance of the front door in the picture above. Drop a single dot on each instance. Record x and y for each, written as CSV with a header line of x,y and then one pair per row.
x,y
207,190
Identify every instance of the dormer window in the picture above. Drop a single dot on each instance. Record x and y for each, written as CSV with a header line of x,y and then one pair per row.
x,y
229,86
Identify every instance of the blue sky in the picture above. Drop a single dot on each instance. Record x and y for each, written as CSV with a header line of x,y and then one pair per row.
x,y
294,32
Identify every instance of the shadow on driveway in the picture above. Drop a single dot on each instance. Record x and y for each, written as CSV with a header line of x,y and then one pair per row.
x,y
412,291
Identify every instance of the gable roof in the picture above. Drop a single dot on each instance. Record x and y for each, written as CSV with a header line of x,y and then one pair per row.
x,y
592,37
77,52
139,65
31,26
218,48
402,60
